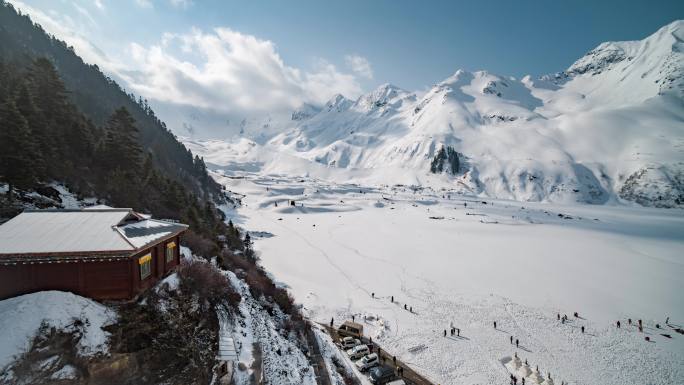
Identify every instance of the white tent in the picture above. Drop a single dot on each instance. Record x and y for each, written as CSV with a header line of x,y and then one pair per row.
x,y
524,371
514,364
536,378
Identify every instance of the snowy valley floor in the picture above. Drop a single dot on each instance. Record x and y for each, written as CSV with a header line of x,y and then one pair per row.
x,y
457,259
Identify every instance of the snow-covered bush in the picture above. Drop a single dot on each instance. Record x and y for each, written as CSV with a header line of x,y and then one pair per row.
x,y
204,281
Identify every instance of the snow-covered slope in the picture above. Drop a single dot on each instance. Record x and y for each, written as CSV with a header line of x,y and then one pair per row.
x,y
610,127
23,316
347,250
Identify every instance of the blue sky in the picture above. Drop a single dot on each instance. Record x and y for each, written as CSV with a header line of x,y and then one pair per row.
x,y
303,51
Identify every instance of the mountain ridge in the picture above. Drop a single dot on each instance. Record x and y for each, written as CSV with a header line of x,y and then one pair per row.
x,y
607,129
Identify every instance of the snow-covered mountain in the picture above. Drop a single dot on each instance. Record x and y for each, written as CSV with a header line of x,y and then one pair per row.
x,y
609,127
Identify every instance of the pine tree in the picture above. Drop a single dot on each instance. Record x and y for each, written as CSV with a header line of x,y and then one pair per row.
x,y
47,88
25,104
53,113
16,148
121,147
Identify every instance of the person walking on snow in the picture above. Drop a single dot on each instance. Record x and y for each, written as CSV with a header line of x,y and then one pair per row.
x,y
444,332
494,324
331,322
511,340
582,329
458,332
618,324
516,342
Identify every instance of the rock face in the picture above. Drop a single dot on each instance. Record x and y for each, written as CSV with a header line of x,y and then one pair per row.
x,y
661,186
445,160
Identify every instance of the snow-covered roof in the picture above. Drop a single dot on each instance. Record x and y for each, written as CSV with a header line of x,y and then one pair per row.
x,y
149,230
106,230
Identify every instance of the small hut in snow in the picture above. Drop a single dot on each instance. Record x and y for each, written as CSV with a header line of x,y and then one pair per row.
x,y
101,253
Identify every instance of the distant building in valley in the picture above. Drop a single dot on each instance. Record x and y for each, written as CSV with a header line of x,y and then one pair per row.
x,y
101,253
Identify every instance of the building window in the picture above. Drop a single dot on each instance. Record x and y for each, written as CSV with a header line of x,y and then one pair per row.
x,y
170,251
145,266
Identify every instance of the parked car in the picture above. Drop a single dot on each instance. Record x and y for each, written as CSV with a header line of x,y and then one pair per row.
x,y
358,351
381,374
368,362
349,342
397,382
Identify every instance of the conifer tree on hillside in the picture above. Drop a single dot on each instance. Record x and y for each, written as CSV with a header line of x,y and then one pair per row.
x,y
121,148
56,76
16,148
35,122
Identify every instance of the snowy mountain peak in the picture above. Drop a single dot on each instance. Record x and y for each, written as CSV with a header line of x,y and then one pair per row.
x,y
385,95
305,111
634,70
667,40
461,76
338,103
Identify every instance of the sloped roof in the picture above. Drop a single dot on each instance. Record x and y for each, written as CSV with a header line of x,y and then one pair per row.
x,y
147,231
107,231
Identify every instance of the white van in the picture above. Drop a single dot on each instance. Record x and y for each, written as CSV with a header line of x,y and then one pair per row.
x,y
397,382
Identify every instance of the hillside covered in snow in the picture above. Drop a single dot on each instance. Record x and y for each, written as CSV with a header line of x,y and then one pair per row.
x,y
608,129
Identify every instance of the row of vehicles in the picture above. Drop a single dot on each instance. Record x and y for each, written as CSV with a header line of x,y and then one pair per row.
x,y
359,352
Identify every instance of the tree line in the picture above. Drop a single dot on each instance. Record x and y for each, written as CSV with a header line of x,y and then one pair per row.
x,y
97,96
44,137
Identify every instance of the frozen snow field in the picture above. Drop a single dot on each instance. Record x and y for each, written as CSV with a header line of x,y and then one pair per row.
x,y
455,259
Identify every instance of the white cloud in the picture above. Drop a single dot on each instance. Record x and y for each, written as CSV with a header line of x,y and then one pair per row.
x,y
226,70
220,73
184,4
360,65
144,3
181,4
85,14
65,28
